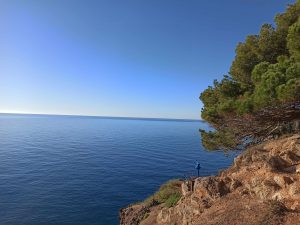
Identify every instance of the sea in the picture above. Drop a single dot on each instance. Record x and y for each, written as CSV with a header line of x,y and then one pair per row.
x,y
79,170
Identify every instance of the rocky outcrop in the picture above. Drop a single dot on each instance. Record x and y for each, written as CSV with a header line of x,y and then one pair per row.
x,y
261,187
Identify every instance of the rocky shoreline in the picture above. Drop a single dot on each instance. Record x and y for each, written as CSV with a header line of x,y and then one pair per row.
x,y
261,187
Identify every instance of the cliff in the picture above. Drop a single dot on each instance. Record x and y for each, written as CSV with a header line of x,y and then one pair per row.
x,y
261,187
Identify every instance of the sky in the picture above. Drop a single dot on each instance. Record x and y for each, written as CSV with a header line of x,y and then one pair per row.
x,y
132,58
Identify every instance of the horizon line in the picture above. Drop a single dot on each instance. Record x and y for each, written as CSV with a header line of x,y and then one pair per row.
x,y
108,117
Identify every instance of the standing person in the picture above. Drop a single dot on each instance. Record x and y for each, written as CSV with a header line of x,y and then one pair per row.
x,y
198,167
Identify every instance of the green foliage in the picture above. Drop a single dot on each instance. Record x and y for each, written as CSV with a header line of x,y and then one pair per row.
x,y
245,104
209,97
275,83
289,17
293,71
258,71
270,44
289,91
229,88
172,200
293,40
245,60
265,71
216,140
169,193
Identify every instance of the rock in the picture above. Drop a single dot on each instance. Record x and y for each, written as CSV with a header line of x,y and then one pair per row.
x,y
282,181
133,215
294,189
258,188
291,157
265,190
235,184
163,216
277,163
277,196
297,169
290,169
210,187
295,206
185,188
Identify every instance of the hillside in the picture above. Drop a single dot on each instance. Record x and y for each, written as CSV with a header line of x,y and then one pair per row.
x,y
261,187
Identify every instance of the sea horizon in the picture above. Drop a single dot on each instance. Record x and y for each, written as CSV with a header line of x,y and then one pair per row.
x,y
83,170
150,112
104,117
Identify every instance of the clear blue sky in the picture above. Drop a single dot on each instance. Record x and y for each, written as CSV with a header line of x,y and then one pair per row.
x,y
141,58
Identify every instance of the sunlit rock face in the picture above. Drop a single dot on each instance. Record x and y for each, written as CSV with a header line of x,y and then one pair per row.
x,y
261,187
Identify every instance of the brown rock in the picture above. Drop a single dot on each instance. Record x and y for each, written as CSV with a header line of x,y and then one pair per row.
x,y
185,189
262,187
294,189
282,181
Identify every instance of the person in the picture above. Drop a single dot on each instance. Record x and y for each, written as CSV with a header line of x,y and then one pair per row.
x,y
198,167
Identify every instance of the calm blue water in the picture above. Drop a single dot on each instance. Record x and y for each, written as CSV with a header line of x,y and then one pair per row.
x,y
81,170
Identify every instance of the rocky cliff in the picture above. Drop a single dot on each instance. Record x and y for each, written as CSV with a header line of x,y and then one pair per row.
x,y
261,187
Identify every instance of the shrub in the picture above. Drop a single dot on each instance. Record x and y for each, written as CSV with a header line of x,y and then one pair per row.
x,y
169,193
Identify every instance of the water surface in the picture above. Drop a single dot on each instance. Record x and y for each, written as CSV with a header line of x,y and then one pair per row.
x,y
81,170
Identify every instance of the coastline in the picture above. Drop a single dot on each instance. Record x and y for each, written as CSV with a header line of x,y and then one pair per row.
x,y
261,187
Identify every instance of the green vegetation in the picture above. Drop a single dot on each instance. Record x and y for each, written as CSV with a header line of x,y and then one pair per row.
x,y
261,94
169,193
172,200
